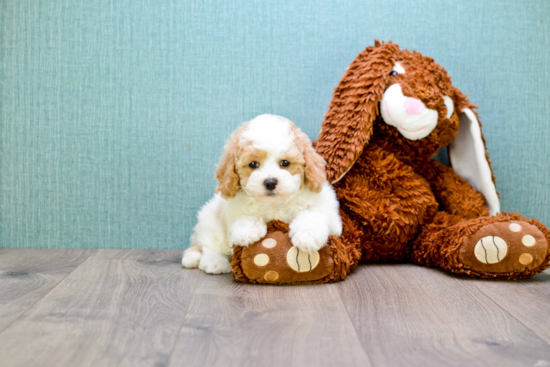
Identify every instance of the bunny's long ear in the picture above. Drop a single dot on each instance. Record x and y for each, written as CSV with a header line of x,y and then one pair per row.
x,y
470,160
348,124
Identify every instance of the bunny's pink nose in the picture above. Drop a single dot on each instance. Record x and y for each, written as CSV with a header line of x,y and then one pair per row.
x,y
414,106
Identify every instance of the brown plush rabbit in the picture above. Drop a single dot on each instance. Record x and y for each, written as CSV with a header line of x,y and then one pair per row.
x,y
391,112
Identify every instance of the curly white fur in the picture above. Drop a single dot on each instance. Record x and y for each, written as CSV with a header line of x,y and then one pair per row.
x,y
241,219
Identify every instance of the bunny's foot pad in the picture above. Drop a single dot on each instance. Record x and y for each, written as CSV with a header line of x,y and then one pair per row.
x,y
274,260
505,247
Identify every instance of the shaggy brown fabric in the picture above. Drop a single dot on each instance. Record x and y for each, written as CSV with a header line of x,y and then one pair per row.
x,y
396,202
399,203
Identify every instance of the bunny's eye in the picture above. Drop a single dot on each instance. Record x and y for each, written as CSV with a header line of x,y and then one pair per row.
x,y
393,73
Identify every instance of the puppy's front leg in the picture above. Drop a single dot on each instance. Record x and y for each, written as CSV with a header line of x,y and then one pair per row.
x,y
246,230
309,231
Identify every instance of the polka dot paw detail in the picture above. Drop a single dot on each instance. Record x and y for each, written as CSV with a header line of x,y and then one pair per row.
x,y
503,247
275,260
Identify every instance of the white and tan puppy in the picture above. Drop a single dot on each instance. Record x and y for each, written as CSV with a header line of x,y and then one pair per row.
x,y
269,170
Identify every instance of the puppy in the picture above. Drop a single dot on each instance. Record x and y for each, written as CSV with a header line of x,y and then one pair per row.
x,y
269,170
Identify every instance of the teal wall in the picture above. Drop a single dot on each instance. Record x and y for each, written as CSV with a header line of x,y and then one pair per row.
x,y
113,113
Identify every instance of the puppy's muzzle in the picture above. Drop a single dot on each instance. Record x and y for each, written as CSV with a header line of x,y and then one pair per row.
x,y
270,183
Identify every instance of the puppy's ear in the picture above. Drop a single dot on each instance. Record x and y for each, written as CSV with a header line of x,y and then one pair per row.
x,y
226,174
314,175
469,157
348,124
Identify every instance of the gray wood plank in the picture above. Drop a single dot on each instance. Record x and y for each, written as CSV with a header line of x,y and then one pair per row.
x,y
407,315
119,308
26,275
236,324
528,300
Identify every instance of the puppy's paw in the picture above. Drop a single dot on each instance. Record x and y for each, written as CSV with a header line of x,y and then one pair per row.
x,y
213,262
191,258
246,231
308,235
308,241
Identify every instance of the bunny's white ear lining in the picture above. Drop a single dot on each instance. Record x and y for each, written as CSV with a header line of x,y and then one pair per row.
x,y
467,156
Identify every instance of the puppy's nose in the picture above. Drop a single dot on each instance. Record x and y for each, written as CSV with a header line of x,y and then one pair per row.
x,y
414,106
270,183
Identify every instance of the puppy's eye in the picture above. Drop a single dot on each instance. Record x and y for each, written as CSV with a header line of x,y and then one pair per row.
x,y
285,163
254,165
393,73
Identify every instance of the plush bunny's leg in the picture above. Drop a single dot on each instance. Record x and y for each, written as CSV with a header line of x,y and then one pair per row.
x,y
275,260
506,246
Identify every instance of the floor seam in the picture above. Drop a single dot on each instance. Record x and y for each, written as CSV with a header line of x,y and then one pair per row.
x,y
512,316
183,320
45,295
354,328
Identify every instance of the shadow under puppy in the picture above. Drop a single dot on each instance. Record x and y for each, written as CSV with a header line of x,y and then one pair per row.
x,y
268,171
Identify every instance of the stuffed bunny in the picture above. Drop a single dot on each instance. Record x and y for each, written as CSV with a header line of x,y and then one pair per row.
x,y
392,111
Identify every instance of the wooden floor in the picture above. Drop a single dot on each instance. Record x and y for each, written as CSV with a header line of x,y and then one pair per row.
x,y
140,308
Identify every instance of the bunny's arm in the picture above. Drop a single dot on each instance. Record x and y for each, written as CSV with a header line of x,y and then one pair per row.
x,y
453,192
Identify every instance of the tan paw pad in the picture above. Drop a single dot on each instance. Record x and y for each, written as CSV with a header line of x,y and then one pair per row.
x,y
302,261
271,276
528,240
491,249
525,259
261,259
269,243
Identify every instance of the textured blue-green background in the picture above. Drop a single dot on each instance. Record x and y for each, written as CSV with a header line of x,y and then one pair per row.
x,y
113,113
